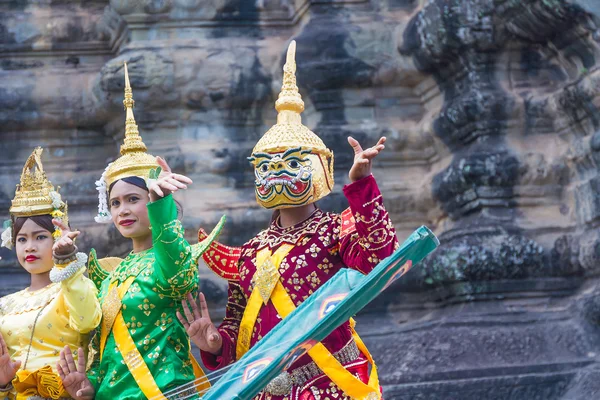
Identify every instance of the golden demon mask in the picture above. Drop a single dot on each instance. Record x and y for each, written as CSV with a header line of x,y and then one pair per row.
x,y
292,165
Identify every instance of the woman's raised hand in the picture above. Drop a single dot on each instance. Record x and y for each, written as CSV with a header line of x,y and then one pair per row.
x,y
167,181
75,381
199,326
8,367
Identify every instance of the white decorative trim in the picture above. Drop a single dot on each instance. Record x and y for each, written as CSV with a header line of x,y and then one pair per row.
x,y
103,216
7,238
59,275
56,199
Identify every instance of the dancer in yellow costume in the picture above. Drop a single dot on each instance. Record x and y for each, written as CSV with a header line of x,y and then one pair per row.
x,y
142,350
59,308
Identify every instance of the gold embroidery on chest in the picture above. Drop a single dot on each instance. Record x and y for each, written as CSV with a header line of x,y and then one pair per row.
x,y
110,309
146,307
325,266
26,301
313,250
133,290
133,325
296,235
265,279
243,272
145,343
296,281
300,261
163,321
313,280
284,266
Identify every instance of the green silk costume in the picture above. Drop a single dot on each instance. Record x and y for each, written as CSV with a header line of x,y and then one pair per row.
x,y
164,274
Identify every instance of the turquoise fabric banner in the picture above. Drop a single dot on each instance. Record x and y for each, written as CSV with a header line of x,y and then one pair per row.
x,y
333,304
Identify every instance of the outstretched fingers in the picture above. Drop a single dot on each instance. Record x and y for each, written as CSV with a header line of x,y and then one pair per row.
x,y
72,235
57,222
187,312
204,306
183,321
167,185
176,183
214,333
61,373
355,145
163,164
70,361
182,178
195,311
62,361
3,346
80,361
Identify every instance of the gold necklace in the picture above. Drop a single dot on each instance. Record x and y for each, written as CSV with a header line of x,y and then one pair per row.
x,y
33,332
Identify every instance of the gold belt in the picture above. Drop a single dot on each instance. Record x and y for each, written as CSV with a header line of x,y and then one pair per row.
x,y
282,384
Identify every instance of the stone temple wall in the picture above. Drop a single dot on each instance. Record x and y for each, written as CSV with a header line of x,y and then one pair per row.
x,y
492,113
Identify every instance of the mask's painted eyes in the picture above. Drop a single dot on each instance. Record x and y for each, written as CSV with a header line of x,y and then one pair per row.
x,y
294,164
264,168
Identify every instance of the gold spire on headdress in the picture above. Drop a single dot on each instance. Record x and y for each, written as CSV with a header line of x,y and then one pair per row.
x,y
289,98
289,131
35,195
134,160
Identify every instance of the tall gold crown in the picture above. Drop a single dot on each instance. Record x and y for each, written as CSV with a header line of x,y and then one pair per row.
x,y
134,160
35,195
289,132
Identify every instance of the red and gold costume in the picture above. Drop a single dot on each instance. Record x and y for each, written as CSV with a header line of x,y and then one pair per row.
x,y
293,167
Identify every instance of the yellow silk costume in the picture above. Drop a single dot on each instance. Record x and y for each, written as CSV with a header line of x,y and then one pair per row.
x,y
36,325
67,312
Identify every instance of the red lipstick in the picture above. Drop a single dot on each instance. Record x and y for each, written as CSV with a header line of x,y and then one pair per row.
x,y
31,258
126,222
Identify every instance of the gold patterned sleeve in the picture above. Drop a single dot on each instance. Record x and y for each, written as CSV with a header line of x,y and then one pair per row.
x,y
372,237
175,268
78,302
97,273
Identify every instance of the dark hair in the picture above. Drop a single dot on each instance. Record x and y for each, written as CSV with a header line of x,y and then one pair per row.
x,y
134,180
45,221
141,183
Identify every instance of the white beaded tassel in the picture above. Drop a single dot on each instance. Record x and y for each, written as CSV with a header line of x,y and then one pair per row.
x,y
103,216
59,275
7,238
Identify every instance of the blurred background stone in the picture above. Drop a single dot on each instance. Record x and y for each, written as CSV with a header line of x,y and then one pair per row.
x,y
492,113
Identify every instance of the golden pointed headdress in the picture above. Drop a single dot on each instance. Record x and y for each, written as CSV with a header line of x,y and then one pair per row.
x,y
134,160
35,195
289,132
314,179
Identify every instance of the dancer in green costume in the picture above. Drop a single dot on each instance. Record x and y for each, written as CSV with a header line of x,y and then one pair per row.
x,y
141,350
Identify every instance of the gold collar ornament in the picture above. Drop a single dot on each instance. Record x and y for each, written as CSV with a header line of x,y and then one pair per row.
x,y
134,160
35,195
292,165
